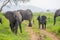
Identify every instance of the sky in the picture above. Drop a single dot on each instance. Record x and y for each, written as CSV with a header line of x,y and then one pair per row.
x,y
44,4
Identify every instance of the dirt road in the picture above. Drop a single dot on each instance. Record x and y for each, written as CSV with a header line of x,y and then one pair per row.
x,y
33,35
52,36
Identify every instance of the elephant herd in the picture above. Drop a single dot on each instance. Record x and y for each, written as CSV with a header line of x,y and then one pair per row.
x,y
17,17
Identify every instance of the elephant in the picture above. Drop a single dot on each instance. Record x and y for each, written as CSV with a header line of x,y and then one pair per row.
x,y
0,20
26,15
15,20
57,13
42,20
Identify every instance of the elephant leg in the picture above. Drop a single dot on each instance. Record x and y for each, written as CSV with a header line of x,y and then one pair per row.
x,y
15,28
42,26
1,21
12,27
20,27
39,25
54,20
45,25
30,24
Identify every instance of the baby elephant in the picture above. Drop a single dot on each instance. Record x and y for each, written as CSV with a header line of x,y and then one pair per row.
x,y
42,20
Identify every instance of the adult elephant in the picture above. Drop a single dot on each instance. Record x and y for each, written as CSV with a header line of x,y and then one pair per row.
x,y
15,19
57,13
26,15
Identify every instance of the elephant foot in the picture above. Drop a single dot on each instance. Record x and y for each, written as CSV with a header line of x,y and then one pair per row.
x,y
21,31
30,25
39,27
53,24
15,32
42,28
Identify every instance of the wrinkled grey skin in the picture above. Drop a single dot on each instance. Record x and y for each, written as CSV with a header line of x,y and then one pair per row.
x,y
1,20
26,15
15,20
57,13
42,20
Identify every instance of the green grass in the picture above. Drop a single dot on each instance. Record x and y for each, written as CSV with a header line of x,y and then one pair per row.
x,y
6,34
47,38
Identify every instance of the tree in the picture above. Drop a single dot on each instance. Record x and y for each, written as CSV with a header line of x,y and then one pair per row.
x,y
5,2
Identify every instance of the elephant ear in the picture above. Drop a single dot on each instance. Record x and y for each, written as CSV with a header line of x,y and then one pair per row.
x,y
38,18
9,14
17,16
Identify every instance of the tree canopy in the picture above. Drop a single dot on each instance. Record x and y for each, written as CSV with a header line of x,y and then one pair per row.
x,y
5,2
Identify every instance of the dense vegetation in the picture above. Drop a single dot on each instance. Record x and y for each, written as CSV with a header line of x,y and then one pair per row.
x,y
6,34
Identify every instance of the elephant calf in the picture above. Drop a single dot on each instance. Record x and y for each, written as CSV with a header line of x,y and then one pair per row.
x,y
42,20
15,19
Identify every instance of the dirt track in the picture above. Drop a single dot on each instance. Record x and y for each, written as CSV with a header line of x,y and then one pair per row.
x,y
33,35
52,36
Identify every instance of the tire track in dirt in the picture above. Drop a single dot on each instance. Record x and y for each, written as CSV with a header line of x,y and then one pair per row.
x,y
52,36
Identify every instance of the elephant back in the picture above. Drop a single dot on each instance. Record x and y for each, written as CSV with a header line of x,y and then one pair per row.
x,y
57,13
26,14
